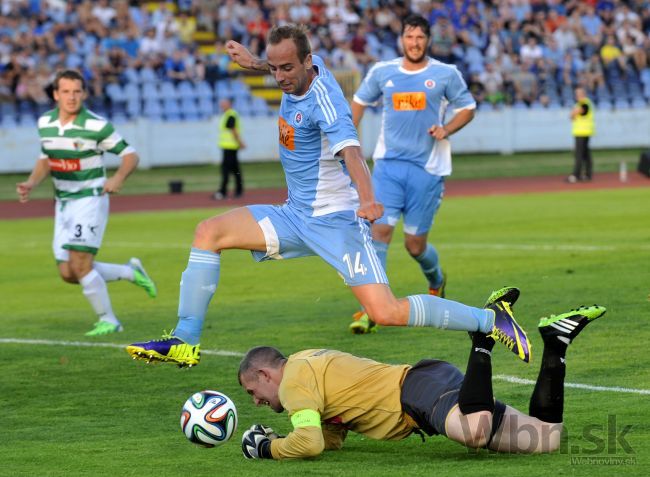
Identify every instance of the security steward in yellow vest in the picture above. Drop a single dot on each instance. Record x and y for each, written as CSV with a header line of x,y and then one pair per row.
x,y
230,143
582,119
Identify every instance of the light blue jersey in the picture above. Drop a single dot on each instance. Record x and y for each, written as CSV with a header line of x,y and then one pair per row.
x,y
413,102
313,128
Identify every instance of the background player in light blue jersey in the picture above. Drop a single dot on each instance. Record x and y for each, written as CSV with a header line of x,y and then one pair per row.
x,y
413,154
330,203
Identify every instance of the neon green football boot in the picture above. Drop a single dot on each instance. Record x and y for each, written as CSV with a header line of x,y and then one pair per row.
x,y
565,327
362,324
104,328
141,278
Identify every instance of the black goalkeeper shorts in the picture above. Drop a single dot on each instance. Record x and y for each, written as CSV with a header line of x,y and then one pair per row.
x,y
429,393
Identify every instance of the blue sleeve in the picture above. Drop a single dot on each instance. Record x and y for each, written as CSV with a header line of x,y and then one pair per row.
x,y
457,93
369,91
332,115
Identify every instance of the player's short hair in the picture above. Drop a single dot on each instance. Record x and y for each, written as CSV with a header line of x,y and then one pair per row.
x,y
415,21
70,75
260,357
291,31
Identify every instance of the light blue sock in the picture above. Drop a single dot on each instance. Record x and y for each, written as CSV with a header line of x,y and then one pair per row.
x,y
430,266
429,310
198,284
382,252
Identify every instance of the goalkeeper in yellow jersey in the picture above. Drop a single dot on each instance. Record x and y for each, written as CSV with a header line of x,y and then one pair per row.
x,y
329,393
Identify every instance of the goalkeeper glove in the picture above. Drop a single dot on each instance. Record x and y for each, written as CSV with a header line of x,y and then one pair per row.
x,y
256,442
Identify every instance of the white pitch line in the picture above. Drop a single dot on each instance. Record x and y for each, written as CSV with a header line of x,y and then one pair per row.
x,y
501,377
88,344
589,387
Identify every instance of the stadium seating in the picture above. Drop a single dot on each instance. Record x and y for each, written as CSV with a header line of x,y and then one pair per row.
x,y
134,82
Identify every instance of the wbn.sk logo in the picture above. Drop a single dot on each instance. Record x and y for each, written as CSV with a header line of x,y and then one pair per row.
x,y
594,442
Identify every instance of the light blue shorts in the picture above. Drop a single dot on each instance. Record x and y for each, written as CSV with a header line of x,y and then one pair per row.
x,y
341,239
407,189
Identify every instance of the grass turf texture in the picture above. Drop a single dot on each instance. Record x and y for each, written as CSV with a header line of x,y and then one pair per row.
x,y
71,410
269,174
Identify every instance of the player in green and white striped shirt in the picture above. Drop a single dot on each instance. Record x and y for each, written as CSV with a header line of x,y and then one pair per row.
x,y
73,141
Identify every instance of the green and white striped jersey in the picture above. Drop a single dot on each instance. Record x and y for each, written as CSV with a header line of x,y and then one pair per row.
x,y
75,152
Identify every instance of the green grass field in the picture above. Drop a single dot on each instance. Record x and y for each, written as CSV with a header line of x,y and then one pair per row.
x,y
269,174
74,410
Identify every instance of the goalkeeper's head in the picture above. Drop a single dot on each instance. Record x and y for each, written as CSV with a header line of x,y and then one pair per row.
x,y
260,374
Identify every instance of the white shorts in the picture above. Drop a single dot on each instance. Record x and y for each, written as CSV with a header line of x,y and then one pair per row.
x,y
79,224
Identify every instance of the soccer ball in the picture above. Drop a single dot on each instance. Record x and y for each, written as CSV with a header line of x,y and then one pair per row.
x,y
209,418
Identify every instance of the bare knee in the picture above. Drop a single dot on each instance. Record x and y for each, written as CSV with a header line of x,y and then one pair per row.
x,y
78,271
415,244
206,234
68,277
66,273
414,249
382,233
387,314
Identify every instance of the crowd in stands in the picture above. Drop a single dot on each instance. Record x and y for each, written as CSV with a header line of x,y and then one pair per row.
x,y
148,57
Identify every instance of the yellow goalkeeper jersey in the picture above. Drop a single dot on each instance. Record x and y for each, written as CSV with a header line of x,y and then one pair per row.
x,y
348,393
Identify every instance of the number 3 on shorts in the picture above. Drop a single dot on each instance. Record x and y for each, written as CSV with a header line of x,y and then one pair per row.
x,y
358,266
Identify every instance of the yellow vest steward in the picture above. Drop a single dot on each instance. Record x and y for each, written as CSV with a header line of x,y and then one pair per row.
x,y
584,125
227,139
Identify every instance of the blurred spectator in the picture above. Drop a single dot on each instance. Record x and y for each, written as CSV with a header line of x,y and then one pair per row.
x,y
443,38
150,44
493,82
359,45
477,88
566,37
524,82
175,68
31,85
257,29
343,58
593,73
338,28
104,12
185,27
299,12
115,66
612,56
531,50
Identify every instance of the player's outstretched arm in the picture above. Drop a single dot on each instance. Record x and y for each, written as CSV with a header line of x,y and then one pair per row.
x,y
41,171
244,58
369,209
128,165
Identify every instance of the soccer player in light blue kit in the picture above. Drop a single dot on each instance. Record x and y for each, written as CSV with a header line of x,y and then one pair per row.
x,y
330,203
412,155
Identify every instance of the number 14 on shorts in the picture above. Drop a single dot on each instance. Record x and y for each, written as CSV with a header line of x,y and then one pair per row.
x,y
358,267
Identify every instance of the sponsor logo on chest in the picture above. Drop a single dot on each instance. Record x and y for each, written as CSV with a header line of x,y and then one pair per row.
x,y
64,165
287,134
409,101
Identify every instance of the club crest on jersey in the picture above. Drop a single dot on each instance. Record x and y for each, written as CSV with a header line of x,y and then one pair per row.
x,y
429,84
297,119
78,145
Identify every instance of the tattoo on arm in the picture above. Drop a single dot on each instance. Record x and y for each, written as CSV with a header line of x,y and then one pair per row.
x,y
260,65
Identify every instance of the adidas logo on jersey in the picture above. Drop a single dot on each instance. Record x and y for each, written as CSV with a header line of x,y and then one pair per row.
x,y
389,84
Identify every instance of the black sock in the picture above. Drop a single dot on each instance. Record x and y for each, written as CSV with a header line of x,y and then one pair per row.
x,y
547,401
476,392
